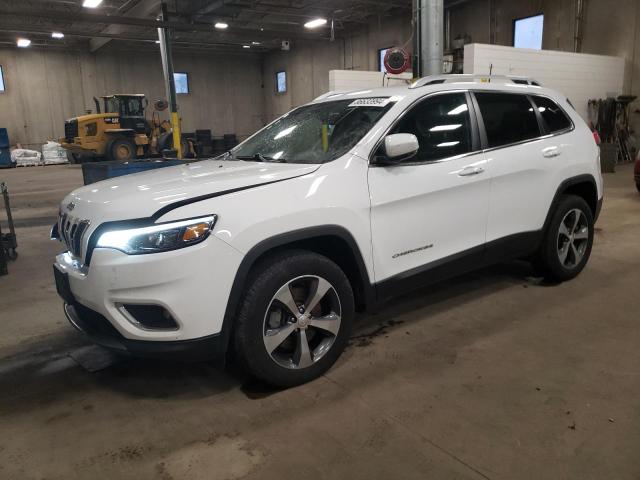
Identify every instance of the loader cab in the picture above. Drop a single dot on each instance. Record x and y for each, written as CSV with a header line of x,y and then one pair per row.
x,y
130,109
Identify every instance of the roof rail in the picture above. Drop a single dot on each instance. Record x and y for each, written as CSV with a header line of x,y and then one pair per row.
x,y
473,78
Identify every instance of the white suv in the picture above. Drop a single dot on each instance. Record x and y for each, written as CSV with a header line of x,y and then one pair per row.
x,y
332,208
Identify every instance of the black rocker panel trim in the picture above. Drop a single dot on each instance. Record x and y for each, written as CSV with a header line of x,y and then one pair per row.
x,y
501,250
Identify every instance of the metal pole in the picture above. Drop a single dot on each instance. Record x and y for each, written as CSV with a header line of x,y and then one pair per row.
x,y
431,36
415,18
164,35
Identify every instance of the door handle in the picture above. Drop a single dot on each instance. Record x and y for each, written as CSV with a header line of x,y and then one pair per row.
x,y
551,152
469,171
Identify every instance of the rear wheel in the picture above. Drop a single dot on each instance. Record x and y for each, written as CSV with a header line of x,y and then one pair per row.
x,y
121,149
567,243
295,319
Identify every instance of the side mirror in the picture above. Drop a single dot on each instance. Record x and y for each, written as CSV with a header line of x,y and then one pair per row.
x,y
399,147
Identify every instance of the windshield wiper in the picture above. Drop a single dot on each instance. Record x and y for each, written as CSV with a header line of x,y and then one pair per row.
x,y
258,157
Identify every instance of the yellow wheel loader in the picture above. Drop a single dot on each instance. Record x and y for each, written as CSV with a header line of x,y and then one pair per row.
x,y
120,132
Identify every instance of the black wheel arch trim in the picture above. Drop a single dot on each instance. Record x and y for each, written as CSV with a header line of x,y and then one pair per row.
x,y
281,240
563,187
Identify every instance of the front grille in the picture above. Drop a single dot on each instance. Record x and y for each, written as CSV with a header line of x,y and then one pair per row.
x,y
71,231
70,130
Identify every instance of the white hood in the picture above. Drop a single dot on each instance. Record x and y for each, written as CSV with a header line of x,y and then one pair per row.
x,y
142,194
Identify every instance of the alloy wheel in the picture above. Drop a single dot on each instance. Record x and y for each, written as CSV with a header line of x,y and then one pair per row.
x,y
302,322
573,238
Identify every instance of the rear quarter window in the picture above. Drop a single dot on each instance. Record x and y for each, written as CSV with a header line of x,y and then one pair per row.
x,y
553,116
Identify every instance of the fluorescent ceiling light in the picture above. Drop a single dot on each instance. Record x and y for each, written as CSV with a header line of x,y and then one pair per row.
x,y
255,43
57,35
458,110
157,41
285,132
91,3
445,128
221,25
23,42
246,46
315,23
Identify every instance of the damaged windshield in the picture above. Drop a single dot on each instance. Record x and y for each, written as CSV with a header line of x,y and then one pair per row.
x,y
315,133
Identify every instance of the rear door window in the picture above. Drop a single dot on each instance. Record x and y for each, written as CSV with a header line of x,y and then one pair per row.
x,y
508,118
554,117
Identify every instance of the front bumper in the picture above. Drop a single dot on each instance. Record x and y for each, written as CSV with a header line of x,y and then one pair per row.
x,y
101,331
192,284
82,147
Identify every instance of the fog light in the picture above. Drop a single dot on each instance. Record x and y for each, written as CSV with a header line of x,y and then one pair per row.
x,y
149,317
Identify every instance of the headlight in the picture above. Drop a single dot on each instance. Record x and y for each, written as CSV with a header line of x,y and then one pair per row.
x,y
159,238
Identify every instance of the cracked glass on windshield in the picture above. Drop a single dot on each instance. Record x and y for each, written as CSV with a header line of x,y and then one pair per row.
x,y
315,133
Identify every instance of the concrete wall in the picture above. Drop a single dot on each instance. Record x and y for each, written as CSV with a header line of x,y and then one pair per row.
x,y
44,87
308,63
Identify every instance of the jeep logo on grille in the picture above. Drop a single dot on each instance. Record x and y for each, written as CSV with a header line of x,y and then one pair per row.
x,y
71,206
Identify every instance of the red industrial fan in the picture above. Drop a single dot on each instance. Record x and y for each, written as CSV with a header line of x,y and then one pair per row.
x,y
396,61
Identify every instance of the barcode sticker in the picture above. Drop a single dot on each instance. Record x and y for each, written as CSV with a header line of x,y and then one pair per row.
x,y
370,102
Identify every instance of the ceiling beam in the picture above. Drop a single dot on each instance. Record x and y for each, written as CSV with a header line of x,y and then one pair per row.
x,y
140,22
143,8
150,39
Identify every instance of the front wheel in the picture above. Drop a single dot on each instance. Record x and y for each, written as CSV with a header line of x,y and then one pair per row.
x,y
567,243
295,319
121,149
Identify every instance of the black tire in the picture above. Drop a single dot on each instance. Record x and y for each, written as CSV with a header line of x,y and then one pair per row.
x,y
121,149
549,258
269,277
73,158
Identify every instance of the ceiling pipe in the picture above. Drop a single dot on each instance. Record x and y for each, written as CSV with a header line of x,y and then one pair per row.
x,y
431,19
577,40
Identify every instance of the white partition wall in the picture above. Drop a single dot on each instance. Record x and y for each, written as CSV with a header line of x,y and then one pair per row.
x,y
358,80
579,76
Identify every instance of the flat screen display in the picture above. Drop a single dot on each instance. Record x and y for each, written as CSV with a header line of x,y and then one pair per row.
x,y
527,32
181,81
281,82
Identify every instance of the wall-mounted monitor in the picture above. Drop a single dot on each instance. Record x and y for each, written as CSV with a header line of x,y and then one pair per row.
x,y
181,81
527,32
281,82
1,80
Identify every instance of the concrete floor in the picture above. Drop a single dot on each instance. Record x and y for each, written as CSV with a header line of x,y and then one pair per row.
x,y
493,375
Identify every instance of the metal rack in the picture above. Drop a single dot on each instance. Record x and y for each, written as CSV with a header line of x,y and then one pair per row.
x,y
8,241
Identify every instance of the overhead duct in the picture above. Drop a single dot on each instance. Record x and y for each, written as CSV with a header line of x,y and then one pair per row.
x,y
431,19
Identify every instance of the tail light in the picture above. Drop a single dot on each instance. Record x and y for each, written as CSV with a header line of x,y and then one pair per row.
x,y
596,137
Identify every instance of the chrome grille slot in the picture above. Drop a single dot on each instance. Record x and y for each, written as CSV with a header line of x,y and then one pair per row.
x,y
71,232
